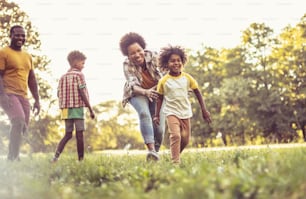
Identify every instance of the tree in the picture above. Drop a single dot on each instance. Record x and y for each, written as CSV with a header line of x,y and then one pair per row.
x,y
266,105
205,66
246,90
290,60
220,74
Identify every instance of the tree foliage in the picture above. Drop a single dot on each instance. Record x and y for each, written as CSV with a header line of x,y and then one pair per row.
x,y
256,89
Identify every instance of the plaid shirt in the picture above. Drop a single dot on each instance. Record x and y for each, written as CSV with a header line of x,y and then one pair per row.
x,y
68,89
133,75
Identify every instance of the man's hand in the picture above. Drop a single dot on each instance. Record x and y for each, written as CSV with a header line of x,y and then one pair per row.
x,y
36,108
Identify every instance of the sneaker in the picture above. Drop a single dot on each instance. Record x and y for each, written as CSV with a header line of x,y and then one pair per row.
x,y
13,159
152,155
54,159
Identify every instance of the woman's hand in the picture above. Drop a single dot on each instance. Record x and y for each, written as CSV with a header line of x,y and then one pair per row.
x,y
151,94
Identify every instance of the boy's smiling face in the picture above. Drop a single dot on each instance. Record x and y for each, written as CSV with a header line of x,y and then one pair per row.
x,y
175,65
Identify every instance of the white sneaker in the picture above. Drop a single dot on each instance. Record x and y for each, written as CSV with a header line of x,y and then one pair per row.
x,y
152,155
54,160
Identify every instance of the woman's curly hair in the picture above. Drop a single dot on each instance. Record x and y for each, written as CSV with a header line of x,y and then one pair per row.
x,y
166,53
131,38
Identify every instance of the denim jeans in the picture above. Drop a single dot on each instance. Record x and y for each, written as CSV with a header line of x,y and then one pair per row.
x,y
146,110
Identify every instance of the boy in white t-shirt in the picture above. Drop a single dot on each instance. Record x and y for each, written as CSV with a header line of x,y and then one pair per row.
x,y
173,88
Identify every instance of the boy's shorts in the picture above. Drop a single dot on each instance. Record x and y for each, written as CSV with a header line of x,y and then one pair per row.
x,y
79,125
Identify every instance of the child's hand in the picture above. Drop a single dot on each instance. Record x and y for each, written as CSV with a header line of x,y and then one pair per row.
x,y
206,116
156,120
92,115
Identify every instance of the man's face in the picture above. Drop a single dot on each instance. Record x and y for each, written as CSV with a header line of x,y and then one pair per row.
x,y
17,38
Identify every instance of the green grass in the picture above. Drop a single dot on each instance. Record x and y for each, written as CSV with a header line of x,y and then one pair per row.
x,y
238,173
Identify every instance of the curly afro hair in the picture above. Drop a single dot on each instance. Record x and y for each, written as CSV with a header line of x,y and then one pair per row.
x,y
166,53
131,38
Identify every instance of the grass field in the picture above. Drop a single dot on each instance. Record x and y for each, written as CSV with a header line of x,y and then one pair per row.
x,y
245,172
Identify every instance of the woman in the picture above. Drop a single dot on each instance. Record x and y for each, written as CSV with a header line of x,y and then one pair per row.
x,y
142,74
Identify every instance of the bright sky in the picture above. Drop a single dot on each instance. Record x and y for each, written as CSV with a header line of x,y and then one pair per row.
x,y
96,26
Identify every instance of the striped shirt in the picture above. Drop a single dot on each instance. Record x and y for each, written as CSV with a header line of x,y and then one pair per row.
x,y
68,89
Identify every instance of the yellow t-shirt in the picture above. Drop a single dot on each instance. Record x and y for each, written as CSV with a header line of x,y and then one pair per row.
x,y
16,66
175,92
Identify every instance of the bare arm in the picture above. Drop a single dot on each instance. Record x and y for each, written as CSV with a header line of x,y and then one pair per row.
x,y
34,90
205,113
159,102
1,82
150,93
135,85
33,85
86,101
4,100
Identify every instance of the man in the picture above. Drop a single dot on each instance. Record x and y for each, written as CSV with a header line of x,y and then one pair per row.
x,y
16,77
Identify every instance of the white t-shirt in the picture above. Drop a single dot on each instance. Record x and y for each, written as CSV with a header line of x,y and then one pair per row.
x,y
175,92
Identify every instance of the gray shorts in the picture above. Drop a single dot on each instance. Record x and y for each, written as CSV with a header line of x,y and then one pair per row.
x,y
79,125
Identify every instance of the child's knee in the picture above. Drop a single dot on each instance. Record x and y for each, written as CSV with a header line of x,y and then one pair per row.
x,y
68,135
175,136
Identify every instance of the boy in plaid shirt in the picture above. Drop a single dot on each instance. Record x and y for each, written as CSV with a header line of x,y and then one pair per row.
x,y
73,97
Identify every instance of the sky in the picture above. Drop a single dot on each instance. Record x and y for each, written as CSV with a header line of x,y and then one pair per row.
x,y
96,26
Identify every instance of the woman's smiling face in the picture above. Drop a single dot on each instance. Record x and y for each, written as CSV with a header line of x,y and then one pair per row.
x,y
136,54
